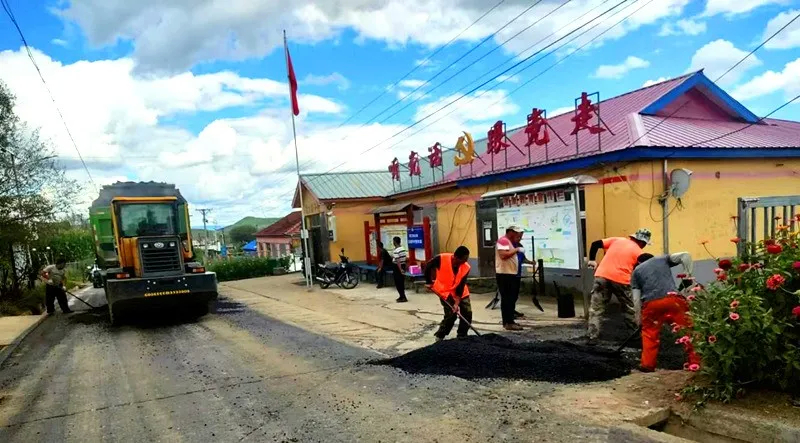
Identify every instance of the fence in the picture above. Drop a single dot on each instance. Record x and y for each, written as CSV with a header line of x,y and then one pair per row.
x,y
759,218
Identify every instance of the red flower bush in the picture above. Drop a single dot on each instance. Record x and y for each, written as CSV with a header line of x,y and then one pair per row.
x,y
775,282
774,249
748,321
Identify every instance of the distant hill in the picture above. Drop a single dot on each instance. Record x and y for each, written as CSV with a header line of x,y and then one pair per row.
x,y
258,222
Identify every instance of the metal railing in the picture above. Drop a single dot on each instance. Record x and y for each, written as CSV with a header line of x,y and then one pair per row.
x,y
759,218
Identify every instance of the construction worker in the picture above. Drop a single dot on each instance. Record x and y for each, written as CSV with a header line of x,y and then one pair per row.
x,y
55,278
657,301
613,277
506,267
450,284
399,258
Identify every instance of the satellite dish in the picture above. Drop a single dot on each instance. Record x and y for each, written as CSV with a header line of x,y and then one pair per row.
x,y
680,179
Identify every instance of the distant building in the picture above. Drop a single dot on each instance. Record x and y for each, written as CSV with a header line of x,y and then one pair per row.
x,y
281,238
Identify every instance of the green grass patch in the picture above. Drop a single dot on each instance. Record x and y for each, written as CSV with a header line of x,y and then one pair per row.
x,y
245,267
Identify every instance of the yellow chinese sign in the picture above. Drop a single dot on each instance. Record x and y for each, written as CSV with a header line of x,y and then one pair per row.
x,y
465,150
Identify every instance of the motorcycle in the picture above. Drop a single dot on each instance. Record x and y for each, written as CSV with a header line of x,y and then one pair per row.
x,y
94,275
343,274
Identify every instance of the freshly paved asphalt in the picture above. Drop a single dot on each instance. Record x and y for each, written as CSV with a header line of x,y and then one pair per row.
x,y
241,376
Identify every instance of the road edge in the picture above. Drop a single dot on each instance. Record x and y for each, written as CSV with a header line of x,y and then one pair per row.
x,y
8,350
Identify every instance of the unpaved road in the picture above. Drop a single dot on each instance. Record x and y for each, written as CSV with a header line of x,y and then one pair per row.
x,y
242,376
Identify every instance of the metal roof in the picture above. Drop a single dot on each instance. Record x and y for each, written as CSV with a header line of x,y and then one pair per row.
x,y
400,207
343,185
570,181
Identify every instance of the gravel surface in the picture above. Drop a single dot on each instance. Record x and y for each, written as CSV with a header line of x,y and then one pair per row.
x,y
495,356
240,376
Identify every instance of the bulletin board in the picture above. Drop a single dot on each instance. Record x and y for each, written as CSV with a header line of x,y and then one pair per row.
x,y
552,225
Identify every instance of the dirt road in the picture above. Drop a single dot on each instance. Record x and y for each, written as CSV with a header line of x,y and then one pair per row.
x,y
241,375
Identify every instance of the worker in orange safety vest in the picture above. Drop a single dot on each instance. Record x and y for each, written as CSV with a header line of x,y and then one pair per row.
x,y
450,284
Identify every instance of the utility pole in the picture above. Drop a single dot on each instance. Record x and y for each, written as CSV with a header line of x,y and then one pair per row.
x,y
205,211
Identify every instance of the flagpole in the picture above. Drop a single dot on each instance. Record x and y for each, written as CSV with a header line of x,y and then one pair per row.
x,y
304,232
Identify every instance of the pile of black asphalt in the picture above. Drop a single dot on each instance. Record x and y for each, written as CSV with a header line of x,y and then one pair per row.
x,y
495,356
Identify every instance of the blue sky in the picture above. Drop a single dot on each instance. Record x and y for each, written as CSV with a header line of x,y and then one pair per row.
x,y
197,96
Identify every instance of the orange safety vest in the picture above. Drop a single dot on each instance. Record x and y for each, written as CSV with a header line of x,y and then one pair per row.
x,y
446,282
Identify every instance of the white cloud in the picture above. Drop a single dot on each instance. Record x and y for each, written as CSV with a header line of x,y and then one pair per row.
x,y
720,55
619,70
176,35
734,7
508,78
683,27
653,82
789,38
559,111
341,82
770,82
411,83
233,165
59,42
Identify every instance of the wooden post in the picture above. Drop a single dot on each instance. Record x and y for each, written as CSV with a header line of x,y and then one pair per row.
x,y
426,237
366,242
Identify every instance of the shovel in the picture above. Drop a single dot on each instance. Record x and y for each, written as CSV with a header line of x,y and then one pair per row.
x,y
493,304
457,312
627,340
82,300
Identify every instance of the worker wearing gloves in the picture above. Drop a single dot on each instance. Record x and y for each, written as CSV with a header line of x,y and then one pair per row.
x,y
507,265
613,277
657,301
55,278
450,284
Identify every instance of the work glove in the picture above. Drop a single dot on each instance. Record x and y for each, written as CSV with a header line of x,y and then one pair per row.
x,y
521,250
591,264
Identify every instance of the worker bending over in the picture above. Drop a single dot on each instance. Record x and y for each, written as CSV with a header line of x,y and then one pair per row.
x,y
613,277
55,278
450,284
657,301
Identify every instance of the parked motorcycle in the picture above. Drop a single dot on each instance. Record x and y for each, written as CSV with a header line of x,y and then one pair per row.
x,y
94,275
343,274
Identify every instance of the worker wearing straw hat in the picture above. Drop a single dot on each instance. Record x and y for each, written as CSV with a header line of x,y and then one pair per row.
x,y
613,277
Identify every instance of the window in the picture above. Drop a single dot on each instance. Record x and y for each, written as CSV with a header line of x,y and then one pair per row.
x,y
148,219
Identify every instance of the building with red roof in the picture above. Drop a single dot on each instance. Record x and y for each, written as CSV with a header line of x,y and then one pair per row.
x,y
280,238
681,158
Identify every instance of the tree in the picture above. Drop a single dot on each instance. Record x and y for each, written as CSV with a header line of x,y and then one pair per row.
x,y
243,234
34,191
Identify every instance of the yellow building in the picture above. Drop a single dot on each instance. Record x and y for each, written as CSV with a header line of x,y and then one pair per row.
x,y
680,157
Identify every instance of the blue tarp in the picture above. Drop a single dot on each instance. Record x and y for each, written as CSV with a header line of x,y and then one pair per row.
x,y
250,247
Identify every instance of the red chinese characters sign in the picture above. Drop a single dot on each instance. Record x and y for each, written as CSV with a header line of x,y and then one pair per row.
x,y
394,168
413,164
495,141
536,123
584,113
435,156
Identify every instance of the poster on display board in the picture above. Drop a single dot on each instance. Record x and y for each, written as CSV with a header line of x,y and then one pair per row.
x,y
553,227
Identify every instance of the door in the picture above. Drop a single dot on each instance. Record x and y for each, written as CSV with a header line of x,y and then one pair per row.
x,y
486,221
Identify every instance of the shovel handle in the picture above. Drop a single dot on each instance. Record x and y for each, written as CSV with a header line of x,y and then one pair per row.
x,y
457,313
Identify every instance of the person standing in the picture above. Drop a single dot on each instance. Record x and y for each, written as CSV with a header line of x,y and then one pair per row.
x,y
384,263
657,301
613,277
521,260
399,259
55,278
506,267
450,284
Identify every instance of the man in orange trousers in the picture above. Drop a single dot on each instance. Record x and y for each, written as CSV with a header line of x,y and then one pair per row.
x,y
657,301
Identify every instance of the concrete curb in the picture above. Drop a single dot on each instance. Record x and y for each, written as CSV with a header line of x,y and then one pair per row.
x,y
8,350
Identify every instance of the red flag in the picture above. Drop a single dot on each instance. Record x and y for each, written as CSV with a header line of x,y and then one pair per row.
x,y
292,83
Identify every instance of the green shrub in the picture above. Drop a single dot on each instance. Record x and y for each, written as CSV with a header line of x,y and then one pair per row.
x,y
747,324
243,267
31,302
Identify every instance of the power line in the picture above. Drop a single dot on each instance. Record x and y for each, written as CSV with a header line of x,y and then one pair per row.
x,y
483,84
415,100
10,14
323,175
421,63
443,70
